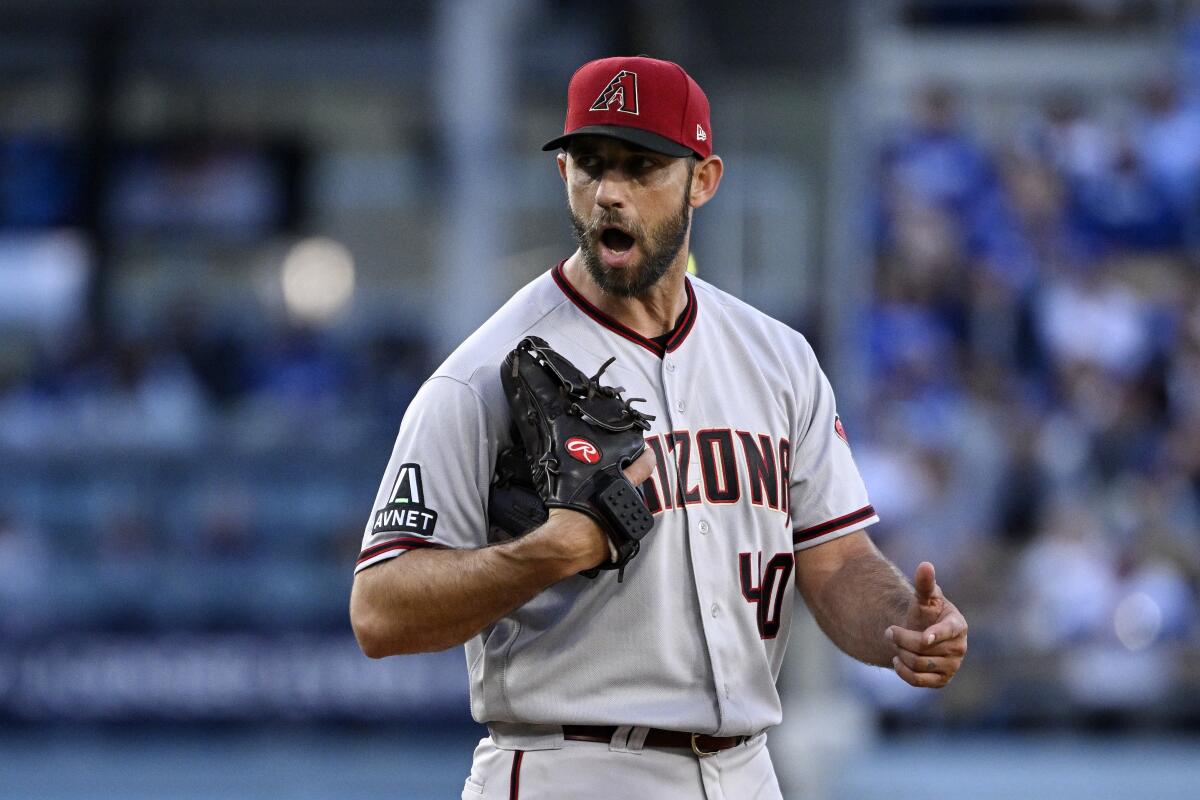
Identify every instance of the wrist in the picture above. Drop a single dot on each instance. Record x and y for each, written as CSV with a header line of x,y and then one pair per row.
x,y
573,540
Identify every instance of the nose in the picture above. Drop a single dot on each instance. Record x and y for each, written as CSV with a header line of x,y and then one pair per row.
x,y
612,188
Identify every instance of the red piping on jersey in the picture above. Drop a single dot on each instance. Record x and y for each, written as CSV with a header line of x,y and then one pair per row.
x,y
866,512
682,328
514,777
401,543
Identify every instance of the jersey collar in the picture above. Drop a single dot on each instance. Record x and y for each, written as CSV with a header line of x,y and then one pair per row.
x,y
683,325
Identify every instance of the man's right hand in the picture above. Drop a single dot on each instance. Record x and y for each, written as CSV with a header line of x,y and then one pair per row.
x,y
585,543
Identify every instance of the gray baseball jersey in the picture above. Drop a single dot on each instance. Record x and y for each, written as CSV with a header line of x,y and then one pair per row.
x,y
752,466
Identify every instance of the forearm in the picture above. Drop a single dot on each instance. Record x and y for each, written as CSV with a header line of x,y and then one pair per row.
x,y
856,603
430,600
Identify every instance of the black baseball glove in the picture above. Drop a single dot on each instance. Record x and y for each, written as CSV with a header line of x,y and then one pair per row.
x,y
574,438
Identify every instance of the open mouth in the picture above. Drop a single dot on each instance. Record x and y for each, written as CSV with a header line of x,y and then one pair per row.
x,y
616,240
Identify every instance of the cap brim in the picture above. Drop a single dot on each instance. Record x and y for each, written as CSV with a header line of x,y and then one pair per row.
x,y
646,139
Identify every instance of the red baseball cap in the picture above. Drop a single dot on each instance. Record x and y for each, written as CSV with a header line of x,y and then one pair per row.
x,y
651,103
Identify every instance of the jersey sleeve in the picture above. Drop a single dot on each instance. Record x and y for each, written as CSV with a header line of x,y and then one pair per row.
x,y
434,490
827,497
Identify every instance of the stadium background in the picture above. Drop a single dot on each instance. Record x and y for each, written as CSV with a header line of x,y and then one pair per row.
x,y
235,237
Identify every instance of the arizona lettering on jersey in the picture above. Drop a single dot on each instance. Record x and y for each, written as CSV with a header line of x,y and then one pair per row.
x,y
712,466
745,480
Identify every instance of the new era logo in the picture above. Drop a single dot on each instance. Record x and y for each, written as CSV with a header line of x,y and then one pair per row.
x,y
701,136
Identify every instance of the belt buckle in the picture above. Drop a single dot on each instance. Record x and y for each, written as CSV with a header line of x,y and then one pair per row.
x,y
701,753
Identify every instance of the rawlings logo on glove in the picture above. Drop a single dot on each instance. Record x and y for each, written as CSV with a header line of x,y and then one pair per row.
x,y
583,450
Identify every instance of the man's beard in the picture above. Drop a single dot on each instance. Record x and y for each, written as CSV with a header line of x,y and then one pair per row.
x,y
659,249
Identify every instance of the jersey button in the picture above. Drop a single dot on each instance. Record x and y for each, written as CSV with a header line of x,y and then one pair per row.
x,y
703,526
681,405
715,609
670,365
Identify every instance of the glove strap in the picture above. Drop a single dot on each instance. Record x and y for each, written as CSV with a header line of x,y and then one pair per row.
x,y
624,509
613,555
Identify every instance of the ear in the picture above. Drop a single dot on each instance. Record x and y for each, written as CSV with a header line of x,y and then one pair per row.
x,y
705,179
562,165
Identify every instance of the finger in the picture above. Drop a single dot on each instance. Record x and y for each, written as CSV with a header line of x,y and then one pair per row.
x,y
903,637
926,641
940,665
639,471
925,582
926,680
952,647
953,627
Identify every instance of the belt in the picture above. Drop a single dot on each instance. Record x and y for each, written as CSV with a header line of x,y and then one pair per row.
x,y
699,743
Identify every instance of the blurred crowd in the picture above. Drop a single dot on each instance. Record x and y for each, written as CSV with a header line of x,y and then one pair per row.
x,y
210,477
1035,390
176,388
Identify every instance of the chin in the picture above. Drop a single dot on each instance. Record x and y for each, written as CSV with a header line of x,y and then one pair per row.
x,y
628,281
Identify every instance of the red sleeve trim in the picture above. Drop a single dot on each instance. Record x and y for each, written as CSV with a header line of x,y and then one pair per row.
x,y
402,543
845,521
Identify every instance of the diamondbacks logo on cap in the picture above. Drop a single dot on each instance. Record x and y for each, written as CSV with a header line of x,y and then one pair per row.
x,y
622,90
581,449
406,511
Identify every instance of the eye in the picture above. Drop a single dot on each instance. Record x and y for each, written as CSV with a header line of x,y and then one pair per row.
x,y
643,166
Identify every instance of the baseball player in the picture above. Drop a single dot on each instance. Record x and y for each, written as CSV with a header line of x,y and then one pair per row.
x,y
660,684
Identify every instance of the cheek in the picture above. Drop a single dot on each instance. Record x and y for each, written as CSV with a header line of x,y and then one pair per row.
x,y
581,195
662,208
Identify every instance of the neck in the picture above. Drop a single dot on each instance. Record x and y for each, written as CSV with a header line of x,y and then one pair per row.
x,y
651,313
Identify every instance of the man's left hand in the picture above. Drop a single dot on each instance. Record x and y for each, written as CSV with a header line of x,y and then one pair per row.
x,y
930,647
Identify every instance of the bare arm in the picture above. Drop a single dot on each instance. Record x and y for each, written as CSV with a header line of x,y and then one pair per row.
x,y
855,594
869,610
429,600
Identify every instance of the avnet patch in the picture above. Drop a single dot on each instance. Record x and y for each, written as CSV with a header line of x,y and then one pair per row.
x,y
404,519
406,511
